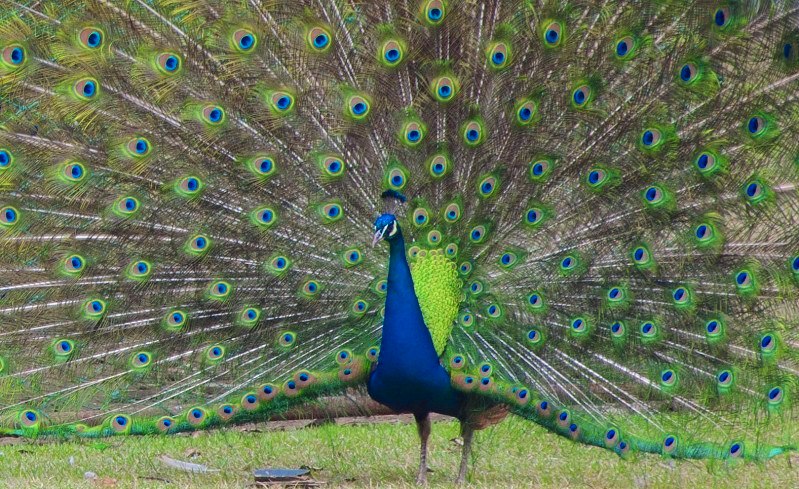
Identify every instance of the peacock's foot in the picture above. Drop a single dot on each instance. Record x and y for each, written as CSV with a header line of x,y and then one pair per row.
x,y
421,476
461,479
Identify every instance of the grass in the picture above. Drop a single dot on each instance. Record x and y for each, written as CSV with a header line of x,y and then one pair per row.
x,y
513,454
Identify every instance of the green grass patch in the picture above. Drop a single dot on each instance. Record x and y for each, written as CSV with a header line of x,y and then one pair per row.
x,y
515,453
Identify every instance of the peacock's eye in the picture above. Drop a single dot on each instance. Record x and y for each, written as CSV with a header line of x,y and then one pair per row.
x,y
624,46
243,40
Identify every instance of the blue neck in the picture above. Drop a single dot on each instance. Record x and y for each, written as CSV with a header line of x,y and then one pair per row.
x,y
404,331
409,376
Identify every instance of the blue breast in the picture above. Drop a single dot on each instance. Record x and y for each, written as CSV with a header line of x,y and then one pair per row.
x,y
409,376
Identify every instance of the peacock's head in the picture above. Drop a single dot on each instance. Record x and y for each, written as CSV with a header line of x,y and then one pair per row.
x,y
386,227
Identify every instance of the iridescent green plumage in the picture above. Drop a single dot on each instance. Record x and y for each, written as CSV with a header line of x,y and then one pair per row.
x,y
438,289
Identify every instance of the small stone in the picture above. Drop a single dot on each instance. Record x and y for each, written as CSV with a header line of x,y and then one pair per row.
x,y
191,453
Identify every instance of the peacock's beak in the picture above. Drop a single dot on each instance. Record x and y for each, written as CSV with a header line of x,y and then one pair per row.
x,y
379,235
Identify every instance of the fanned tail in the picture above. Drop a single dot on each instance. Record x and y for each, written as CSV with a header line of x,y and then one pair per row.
x,y
174,194
188,189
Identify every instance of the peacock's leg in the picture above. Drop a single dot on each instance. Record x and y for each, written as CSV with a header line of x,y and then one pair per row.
x,y
466,433
423,427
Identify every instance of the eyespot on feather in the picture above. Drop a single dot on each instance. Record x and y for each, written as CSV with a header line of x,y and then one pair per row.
x,y
250,401
243,40
318,39
169,63
91,37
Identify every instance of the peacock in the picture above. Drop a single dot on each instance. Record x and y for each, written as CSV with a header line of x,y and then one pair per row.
x,y
582,213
